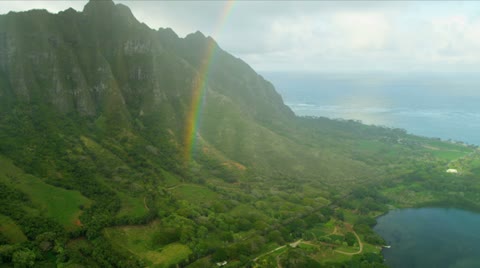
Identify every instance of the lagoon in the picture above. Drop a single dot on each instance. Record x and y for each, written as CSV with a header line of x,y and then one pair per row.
x,y
430,237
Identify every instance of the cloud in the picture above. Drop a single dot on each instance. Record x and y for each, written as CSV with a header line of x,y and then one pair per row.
x,y
321,35
52,6
362,31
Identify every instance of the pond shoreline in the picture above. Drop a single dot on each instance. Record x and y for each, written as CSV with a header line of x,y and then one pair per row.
x,y
430,237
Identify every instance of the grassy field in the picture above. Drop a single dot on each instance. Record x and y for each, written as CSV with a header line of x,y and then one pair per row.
x,y
445,150
449,155
194,193
371,146
60,204
11,230
138,241
325,229
168,255
441,145
170,180
132,206
329,255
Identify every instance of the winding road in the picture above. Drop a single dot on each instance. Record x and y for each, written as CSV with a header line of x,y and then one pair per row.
x,y
300,241
359,243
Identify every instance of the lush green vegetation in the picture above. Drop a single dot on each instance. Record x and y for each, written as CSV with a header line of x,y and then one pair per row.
x,y
57,203
94,172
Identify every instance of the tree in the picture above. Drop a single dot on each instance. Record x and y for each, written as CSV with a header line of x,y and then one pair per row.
x,y
339,214
220,255
350,239
276,236
202,232
23,258
165,236
3,239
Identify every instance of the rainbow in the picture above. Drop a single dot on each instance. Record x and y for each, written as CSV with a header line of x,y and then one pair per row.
x,y
192,123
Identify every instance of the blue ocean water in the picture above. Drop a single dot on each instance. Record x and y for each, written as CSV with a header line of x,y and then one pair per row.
x,y
430,237
438,105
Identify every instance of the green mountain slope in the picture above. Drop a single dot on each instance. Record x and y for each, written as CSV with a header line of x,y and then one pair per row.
x,y
107,69
95,121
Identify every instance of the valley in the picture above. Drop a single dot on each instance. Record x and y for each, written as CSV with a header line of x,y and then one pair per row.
x,y
112,155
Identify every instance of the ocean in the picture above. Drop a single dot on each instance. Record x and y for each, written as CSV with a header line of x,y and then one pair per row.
x,y
441,105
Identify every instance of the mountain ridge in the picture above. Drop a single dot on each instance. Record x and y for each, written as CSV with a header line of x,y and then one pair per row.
x,y
84,75
97,111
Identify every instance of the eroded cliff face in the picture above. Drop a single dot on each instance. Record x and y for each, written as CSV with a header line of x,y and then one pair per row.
x,y
133,84
102,61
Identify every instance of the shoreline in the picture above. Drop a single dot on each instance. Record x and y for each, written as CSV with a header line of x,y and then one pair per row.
x,y
343,115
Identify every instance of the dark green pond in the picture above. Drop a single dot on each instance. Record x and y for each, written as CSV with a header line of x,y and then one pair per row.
x,y
431,237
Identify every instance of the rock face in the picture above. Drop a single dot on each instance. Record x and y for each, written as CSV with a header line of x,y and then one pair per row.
x,y
122,79
103,65
102,60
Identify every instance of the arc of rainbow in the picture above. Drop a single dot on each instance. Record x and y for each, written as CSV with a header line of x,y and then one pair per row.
x,y
199,88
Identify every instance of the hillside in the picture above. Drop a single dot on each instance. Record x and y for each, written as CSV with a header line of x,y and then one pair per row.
x,y
124,146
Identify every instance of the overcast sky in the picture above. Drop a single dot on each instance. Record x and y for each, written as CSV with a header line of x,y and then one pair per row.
x,y
341,36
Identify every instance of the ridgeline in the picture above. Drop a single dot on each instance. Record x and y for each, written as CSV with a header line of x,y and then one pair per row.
x,y
124,146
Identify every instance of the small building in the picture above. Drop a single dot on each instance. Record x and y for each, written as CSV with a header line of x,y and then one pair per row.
x,y
452,170
220,264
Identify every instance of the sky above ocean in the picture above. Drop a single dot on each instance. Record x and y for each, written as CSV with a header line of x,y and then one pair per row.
x,y
334,36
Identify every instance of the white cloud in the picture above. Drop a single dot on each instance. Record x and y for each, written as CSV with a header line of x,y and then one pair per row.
x,y
321,36
362,31
52,6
